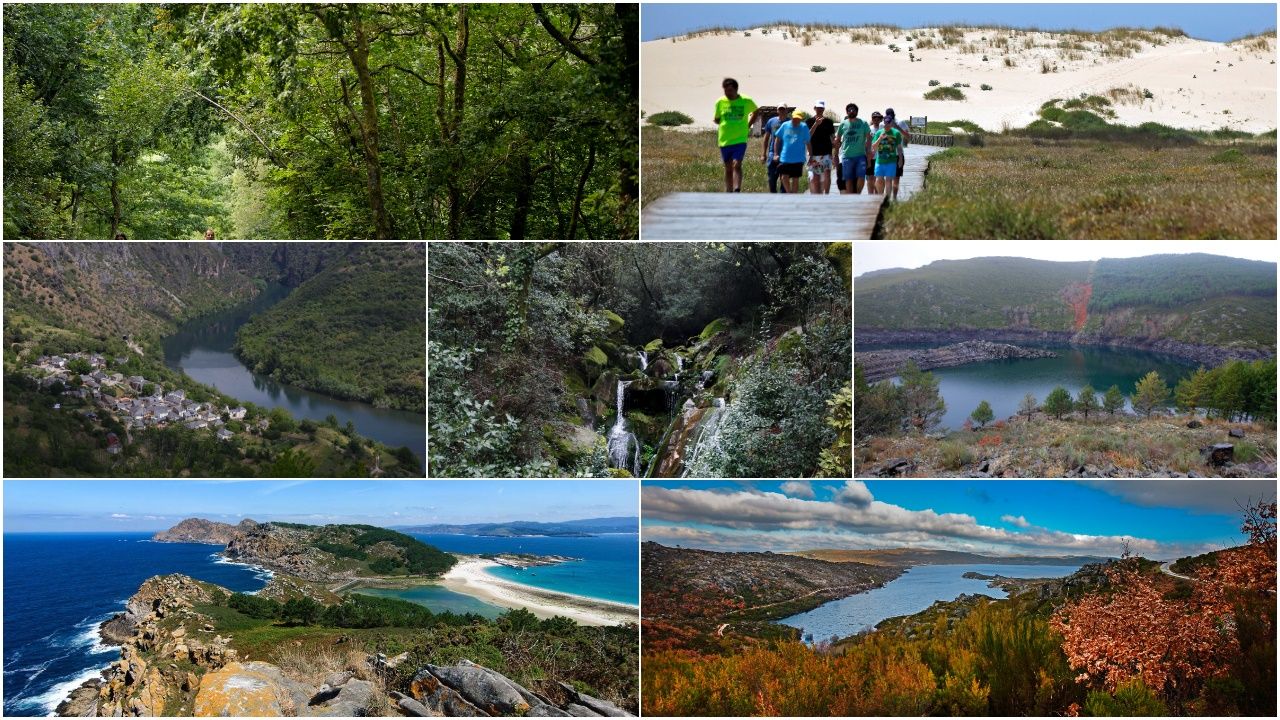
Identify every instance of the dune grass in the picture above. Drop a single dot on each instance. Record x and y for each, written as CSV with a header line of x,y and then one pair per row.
x,y
1031,188
680,161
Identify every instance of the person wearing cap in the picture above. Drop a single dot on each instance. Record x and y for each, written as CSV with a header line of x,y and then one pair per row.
x,y
822,134
734,115
773,145
795,148
873,182
902,127
853,142
885,142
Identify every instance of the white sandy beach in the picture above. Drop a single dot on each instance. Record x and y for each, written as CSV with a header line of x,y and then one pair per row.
x,y
685,75
469,577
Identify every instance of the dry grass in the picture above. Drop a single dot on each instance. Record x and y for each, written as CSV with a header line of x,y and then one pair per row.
x,y
1121,446
1128,95
1024,188
677,161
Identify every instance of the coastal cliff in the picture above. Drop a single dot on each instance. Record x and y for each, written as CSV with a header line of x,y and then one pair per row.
x,y
199,530
177,658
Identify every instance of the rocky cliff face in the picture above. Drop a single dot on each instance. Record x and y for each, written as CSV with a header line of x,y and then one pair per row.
x,y
1208,355
281,548
199,530
881,364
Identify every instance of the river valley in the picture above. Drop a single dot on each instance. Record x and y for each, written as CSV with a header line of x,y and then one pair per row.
x,y
203,349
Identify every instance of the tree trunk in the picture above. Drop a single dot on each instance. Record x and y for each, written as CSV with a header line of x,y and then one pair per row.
x,y
459,54
358,53
115,191
629,136
523,199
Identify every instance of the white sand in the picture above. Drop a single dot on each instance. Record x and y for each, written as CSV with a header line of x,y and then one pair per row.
x,y
685,75
469,577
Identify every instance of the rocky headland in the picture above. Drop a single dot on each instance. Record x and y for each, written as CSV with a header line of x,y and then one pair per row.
x,y
199,530
881,364
174,662
1207,355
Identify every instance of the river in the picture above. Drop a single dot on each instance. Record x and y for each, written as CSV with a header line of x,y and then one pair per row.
x,y
202,348
1003,383
909,594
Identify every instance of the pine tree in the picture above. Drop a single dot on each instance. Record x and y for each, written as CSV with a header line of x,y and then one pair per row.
x,y
983,414
1027,406
1113,400
1058,403
1087,400
1192,392
924,405
1150,393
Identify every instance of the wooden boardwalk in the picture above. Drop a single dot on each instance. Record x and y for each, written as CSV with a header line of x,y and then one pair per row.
x,y
766,216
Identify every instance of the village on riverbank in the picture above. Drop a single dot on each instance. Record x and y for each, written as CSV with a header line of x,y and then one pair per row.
x,y
135,401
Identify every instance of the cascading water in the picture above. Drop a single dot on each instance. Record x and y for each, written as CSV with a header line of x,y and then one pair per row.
x,y
623,445
644,361
708,435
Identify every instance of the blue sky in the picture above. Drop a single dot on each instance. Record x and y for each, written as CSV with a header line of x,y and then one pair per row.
x,y
1160,518
120,505
1207,21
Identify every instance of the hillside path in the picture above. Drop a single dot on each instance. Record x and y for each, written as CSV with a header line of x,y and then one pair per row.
x,y
1164,568
798,597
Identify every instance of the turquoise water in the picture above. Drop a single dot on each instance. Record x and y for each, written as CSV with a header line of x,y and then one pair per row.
x,y
438,599
1003,383
608,567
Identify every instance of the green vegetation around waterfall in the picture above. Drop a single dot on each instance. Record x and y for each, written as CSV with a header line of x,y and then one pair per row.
x,y
353,331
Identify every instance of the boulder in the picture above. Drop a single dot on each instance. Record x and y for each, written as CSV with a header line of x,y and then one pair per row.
x,y
440,699
409,706
1235,433
596,705
576,710
347,700
492,693
249,689
894,467
1195,424
547,711
1219,454
82,702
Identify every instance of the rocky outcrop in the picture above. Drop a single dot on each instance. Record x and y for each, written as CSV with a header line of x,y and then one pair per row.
x,y
281,548
881,364
252,689
471,690
1207,355
199,530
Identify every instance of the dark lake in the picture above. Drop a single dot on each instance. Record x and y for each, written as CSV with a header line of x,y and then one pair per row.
x,y
1003,382
202,348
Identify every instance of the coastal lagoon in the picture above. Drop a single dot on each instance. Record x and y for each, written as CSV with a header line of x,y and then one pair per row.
x,y
608,567
910,593
203,349
1003,383
438,600
59,587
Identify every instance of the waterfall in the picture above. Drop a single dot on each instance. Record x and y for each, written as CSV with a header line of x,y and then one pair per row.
x,y
644,361
621,441
708,436
679,364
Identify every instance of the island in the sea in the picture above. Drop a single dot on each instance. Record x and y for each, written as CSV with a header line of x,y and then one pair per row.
x,y
329,636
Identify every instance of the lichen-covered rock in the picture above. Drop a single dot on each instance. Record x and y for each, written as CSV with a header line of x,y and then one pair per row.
x,y
492,693
440,699
594,704
247,690
82,702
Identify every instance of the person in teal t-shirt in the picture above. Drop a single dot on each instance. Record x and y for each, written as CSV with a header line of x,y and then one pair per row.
x,y
885,143
853,140
734,115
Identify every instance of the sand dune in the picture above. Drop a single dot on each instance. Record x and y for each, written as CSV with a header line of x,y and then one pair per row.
x,y
773,65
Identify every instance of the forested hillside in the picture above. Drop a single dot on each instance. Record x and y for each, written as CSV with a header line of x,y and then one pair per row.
x,y
354,330
1196,298
662,359
265,120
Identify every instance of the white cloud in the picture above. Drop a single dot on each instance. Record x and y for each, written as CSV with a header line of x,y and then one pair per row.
x,y
855,516
1219,496
119,516
1015,520
798,488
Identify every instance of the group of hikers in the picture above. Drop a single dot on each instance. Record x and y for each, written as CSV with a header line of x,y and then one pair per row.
x,y
862,154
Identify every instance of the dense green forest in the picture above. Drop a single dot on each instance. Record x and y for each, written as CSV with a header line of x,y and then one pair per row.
x,y
353,331
1172,281
660,359
322,120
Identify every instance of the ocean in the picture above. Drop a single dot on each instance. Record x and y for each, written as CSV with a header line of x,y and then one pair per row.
x,y
59,587
912,592
609,568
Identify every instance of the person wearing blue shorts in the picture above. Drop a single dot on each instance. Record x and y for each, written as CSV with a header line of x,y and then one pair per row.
x,y
734,115
795,150
885,142
853,143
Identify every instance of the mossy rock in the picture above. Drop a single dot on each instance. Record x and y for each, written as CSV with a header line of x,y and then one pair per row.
x,y
715,326
596,356
841,256
571,442
653,345
574,383
620,473
646,427
790,342
615,320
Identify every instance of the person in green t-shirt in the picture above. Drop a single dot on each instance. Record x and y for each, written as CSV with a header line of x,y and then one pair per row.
x,y
853,142
885,142
734,115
